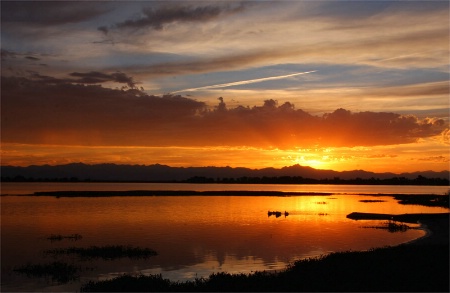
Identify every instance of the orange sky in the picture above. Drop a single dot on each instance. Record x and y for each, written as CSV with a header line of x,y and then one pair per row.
x,y
329,85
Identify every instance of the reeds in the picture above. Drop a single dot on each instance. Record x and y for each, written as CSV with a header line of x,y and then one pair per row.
x,y
60,272
392,227
59,237
108,252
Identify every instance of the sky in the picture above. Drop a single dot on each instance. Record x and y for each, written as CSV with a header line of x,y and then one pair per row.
x,y
339,85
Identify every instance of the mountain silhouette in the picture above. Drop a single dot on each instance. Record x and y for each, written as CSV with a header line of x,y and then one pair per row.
x,y
157,172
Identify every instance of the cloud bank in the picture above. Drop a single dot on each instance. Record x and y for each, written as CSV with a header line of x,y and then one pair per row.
x,y
53,111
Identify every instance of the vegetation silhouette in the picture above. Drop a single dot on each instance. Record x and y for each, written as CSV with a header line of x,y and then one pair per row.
x,y
108,252
277,214
59,272
407,218
371,200
400,180
392,227
425,200
433,200
59,237
419,266
401,268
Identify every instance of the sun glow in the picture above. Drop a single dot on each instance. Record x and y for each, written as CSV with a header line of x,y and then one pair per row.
x,y
428,154
307,161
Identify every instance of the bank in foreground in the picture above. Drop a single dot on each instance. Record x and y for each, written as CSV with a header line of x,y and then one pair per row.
x,y
422,265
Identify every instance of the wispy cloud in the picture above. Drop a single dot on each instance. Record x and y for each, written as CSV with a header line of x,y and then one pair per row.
x,y
222,85
157,18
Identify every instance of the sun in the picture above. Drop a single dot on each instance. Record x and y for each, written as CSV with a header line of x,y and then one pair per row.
x,y
305,160
316,164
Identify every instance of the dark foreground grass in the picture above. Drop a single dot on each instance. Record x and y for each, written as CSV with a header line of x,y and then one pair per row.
x,y
401,268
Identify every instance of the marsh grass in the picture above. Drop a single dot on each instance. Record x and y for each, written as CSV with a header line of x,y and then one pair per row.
x,y
108,252
59,272
392,227
59,237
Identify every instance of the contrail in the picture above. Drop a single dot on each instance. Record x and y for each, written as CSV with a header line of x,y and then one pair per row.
x,y
243,82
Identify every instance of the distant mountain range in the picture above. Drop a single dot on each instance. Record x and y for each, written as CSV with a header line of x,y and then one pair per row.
x,y
157,172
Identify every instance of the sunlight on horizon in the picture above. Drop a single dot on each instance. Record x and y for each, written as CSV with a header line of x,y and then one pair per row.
x,y
396,159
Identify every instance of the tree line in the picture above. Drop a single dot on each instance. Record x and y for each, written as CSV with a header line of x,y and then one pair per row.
x,y
419,180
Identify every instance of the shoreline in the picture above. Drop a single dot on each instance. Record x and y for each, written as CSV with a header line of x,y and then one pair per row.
x,y
420,265
437,232
435,225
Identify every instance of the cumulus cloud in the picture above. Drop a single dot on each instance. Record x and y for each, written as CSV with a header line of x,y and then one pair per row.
x,y
59,112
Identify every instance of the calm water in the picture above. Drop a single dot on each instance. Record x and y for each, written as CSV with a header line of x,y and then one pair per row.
x,y
193,236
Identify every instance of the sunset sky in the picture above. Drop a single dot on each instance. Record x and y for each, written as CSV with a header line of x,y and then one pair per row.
x,y
339,85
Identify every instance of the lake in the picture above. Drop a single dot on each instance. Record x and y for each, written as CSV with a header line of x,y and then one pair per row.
x,y
192,235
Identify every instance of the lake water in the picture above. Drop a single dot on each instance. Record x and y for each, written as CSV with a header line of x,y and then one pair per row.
x,y
193,235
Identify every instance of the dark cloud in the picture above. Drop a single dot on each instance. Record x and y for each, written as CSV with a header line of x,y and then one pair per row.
x,y
100,77
157,17
87,78
53,110
32,58
49,13
49,110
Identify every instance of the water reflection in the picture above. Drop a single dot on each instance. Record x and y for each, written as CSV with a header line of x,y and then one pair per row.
x,y
193,236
